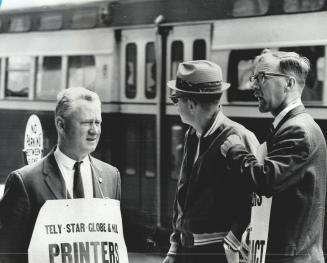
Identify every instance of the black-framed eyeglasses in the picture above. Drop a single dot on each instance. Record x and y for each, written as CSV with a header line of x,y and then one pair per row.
x,y
175,98
262,75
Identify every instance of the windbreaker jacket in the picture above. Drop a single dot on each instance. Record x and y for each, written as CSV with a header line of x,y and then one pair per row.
x,y
207,199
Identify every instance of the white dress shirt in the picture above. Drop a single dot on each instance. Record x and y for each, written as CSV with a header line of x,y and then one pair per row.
x,y
66,167
282,114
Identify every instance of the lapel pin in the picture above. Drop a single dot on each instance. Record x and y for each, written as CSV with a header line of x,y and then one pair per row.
x,y
100,180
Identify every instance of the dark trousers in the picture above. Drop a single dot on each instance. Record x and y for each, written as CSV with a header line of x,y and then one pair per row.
x,y
212,253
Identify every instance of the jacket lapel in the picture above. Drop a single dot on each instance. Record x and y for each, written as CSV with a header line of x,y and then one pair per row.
x,y
97,180
292,113
53,177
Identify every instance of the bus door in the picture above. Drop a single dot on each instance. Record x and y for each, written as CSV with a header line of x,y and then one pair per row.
x,y
138,103
191,42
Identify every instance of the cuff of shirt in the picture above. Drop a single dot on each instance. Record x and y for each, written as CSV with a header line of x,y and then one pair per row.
x,y
231,240
173,248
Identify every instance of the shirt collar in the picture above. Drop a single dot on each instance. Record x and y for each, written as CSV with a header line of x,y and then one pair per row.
x,y
216,123
283,113
66,161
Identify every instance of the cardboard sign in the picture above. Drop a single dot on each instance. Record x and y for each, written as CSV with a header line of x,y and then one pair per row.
x,y
78,231
260,216
33,142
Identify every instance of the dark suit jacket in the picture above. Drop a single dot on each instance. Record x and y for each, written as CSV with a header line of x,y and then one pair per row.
x,y
28,188
294,173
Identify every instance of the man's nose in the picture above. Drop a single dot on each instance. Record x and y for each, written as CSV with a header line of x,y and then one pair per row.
x,y
94,128
254,85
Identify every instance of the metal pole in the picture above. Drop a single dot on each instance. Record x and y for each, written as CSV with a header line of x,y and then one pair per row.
x,y
160,49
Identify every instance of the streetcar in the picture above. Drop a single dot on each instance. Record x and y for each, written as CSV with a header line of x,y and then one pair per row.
x,y
126,51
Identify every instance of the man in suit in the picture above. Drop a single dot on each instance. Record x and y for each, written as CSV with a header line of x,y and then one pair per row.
x,y
294,170
210,210
68,171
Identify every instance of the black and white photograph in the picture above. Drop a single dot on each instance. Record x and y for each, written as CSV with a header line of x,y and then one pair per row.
x,y
163,131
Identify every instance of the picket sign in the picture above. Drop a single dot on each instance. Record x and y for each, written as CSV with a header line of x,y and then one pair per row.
x,y
260,216
78,231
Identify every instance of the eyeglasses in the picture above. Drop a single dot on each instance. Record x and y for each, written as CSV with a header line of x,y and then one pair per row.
x,y
261,76
175,98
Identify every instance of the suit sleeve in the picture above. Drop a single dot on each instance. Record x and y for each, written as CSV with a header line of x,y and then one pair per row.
x,y
282,167
14,217
243,213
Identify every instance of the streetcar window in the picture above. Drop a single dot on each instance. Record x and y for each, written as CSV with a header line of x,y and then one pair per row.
x,y
48,78
240,67
132,150
19,24
18,77
130,71
150,150
51,21
314,83
81,71
84,19
250,7
291,6
199,49
150,71
177,56
177,139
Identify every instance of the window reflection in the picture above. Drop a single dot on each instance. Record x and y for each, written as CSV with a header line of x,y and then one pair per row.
x,y
131,151
150,72
81,71
177,56
49,78
314,83
199,49
20,24
18,77
240,67
130,71
291,6
250,7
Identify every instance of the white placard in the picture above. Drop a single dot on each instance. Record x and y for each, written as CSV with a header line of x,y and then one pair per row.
x,y
78,231
260,216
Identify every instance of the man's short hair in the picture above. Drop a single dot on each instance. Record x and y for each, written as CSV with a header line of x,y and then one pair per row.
x,y
67,97
290,63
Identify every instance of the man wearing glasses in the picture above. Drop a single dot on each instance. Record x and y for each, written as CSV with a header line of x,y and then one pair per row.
x,y
211,211
294,170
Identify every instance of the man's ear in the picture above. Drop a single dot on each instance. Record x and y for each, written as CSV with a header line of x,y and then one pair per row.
x,y
60,124
191,104
290,83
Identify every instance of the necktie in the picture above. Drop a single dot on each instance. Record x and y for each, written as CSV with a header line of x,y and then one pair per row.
x,y
78,190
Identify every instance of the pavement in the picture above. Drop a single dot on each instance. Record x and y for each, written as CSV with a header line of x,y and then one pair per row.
x,y
145,257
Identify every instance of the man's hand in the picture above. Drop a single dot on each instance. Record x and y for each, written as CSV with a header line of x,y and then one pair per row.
x,y
230,141
169,259
231,255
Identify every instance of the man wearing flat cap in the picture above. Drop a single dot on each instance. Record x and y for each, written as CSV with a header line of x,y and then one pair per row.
x,y
211,211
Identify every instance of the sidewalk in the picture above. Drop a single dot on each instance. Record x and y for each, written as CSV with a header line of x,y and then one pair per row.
x,y
145,257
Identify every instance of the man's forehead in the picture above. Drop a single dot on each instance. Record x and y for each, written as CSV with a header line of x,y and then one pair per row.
x,y
267,63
